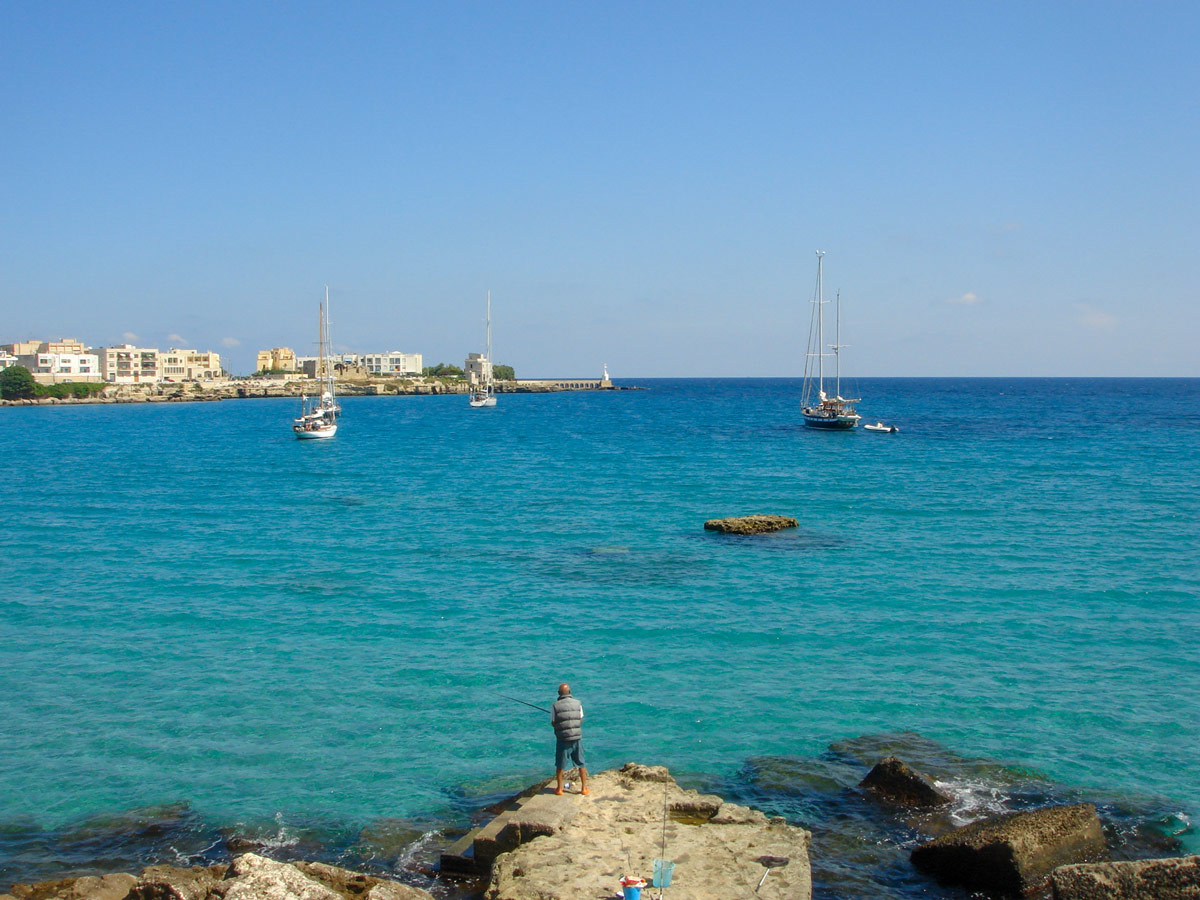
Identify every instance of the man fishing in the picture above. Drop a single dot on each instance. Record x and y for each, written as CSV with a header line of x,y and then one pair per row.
x,y
566,715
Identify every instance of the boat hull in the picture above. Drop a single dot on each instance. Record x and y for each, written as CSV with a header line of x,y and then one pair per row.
x,y
316,434
481,404
830,417
840,423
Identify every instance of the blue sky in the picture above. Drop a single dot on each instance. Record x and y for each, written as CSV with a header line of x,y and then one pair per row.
x,y
1001,188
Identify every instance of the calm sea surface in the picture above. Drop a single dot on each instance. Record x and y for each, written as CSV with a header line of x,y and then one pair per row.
x,y
250,633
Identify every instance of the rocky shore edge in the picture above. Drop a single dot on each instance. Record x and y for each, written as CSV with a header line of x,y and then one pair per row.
x,y
246,390
637,823
248,877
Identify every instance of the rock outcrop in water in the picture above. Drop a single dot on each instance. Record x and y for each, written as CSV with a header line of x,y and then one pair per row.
x,y
1147,879
757,524
892,780
248,877
1014,853
570,847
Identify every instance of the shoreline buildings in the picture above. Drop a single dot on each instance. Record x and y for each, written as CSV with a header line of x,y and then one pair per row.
x,y
68,360
393,363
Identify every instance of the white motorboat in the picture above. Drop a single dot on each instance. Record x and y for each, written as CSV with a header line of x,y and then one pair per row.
x,y
880,427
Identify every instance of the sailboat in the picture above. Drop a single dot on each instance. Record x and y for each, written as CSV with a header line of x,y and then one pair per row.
x,y
318,418
485,393
819,409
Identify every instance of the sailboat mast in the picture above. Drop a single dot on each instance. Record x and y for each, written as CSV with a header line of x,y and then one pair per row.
x,y
489,341
837,346
320,344
820,327
326,350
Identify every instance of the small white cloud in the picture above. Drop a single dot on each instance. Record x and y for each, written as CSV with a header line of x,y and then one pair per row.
x,y
129,336
230,342
176,338
1096,318
970,298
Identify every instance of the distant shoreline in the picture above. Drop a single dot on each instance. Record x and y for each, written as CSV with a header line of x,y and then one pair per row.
x,y
198,392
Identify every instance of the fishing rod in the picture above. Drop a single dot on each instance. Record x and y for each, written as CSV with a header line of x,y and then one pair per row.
x,y
522,702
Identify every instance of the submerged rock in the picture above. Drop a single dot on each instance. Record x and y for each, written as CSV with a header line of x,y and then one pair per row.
x,y
892,780
390,838
1145,879
1014,853
757,524
636,815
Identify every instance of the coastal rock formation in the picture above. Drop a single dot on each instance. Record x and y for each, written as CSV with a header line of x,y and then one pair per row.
x,y
892,780
570,846
1014,853
249,877
1145,879
172,883
757,524
87,887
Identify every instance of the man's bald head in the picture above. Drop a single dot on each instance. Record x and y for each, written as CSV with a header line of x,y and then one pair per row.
x,y
564,689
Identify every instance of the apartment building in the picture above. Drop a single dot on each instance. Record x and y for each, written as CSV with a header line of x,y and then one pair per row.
x,y
127,364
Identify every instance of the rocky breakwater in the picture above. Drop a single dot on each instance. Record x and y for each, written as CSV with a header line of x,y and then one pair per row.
x,y
570,847
248,877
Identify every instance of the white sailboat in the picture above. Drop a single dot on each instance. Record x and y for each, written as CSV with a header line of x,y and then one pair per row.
x,y
819,409
485,394
318,418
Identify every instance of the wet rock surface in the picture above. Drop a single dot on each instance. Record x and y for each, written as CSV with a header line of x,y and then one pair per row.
x,y
1014,853
892,780
1146,879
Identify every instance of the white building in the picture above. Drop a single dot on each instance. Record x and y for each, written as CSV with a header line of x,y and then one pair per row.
x,y
53,368
478,369
393,363
6,360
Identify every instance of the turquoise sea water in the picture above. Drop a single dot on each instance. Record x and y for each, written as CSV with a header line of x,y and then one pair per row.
x,y
201,610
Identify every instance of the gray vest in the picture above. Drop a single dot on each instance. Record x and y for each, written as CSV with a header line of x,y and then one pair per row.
x,y
568,718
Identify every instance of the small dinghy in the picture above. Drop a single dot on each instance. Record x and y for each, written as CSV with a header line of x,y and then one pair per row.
x,y
879,426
